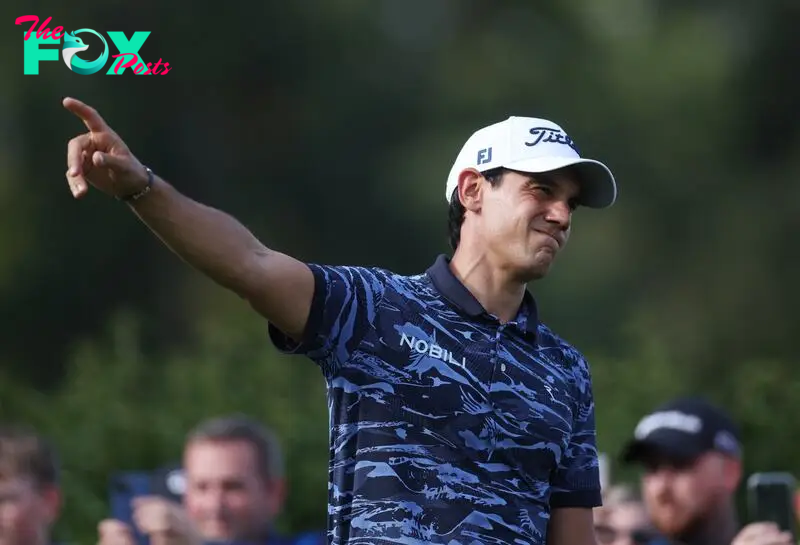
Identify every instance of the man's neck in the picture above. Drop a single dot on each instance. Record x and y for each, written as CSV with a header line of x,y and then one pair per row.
x,y
497,292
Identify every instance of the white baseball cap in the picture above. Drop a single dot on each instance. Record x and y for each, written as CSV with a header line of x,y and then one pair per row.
x,y
533,145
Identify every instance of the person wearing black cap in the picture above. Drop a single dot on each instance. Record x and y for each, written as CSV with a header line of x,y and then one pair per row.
x,y
691,452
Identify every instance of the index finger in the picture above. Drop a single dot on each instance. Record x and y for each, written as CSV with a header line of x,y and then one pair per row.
x,y
112,526
759,528
88,115
141,501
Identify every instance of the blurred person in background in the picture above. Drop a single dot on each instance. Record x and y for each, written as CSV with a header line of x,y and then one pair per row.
x,y
30,495
691,453
622,519
456,414
235,489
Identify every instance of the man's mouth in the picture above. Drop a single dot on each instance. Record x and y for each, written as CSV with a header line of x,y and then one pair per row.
x,y
556,243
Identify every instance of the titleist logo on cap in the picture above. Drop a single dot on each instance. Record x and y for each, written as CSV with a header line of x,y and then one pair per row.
x,y
549,135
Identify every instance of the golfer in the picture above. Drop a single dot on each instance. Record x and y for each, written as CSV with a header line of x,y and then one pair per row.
x,y
456,415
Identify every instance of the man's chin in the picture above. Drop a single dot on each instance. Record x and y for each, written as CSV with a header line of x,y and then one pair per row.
x,y
217,532
539,266
671,525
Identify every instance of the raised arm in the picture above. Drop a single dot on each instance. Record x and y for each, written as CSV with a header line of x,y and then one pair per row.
x,y
279,287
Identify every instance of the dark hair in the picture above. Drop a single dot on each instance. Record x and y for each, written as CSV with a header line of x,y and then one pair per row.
x,y
455,214
243,428
24,453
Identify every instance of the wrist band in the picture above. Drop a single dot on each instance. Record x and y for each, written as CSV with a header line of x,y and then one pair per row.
x,y
144,191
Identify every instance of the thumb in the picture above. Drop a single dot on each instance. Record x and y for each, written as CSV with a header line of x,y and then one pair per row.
x,y
100,159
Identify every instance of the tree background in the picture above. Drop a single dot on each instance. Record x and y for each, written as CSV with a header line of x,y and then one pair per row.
x,y
328,128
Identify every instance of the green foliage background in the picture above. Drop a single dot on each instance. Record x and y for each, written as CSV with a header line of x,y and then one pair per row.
x,y
329,128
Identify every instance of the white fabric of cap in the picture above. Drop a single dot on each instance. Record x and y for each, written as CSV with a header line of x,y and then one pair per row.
x,y
535,146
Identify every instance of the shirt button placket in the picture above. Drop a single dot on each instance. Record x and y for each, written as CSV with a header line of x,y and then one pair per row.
x,y
496,348
493,358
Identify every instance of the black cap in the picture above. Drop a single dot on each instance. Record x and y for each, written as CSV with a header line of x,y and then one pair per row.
x,y
682,430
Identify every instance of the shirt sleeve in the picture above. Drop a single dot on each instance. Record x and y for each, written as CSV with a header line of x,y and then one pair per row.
x,y
576,482
343,310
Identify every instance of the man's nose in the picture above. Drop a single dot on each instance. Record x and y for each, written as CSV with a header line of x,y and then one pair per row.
x,y
560,213
216,504
211,501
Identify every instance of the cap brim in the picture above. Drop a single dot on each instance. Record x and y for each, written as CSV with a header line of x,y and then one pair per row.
x,y
598,186
655,449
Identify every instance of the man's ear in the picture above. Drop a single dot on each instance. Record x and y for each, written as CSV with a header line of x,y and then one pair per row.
x,y
733,473
51,496
276,491
470,187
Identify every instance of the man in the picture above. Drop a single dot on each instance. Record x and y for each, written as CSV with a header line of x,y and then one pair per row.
x,y
623,520
457,417
234,490
691,453
30,496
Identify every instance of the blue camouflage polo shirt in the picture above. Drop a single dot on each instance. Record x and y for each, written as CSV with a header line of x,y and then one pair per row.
x,y
446,425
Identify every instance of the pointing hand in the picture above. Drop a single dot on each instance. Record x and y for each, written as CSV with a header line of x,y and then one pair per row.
x,y
100,158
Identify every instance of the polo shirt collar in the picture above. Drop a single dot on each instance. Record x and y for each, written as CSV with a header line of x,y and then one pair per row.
x,y
459,296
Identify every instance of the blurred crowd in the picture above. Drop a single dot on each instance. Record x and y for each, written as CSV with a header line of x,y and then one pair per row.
x,y
230,488
690,456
